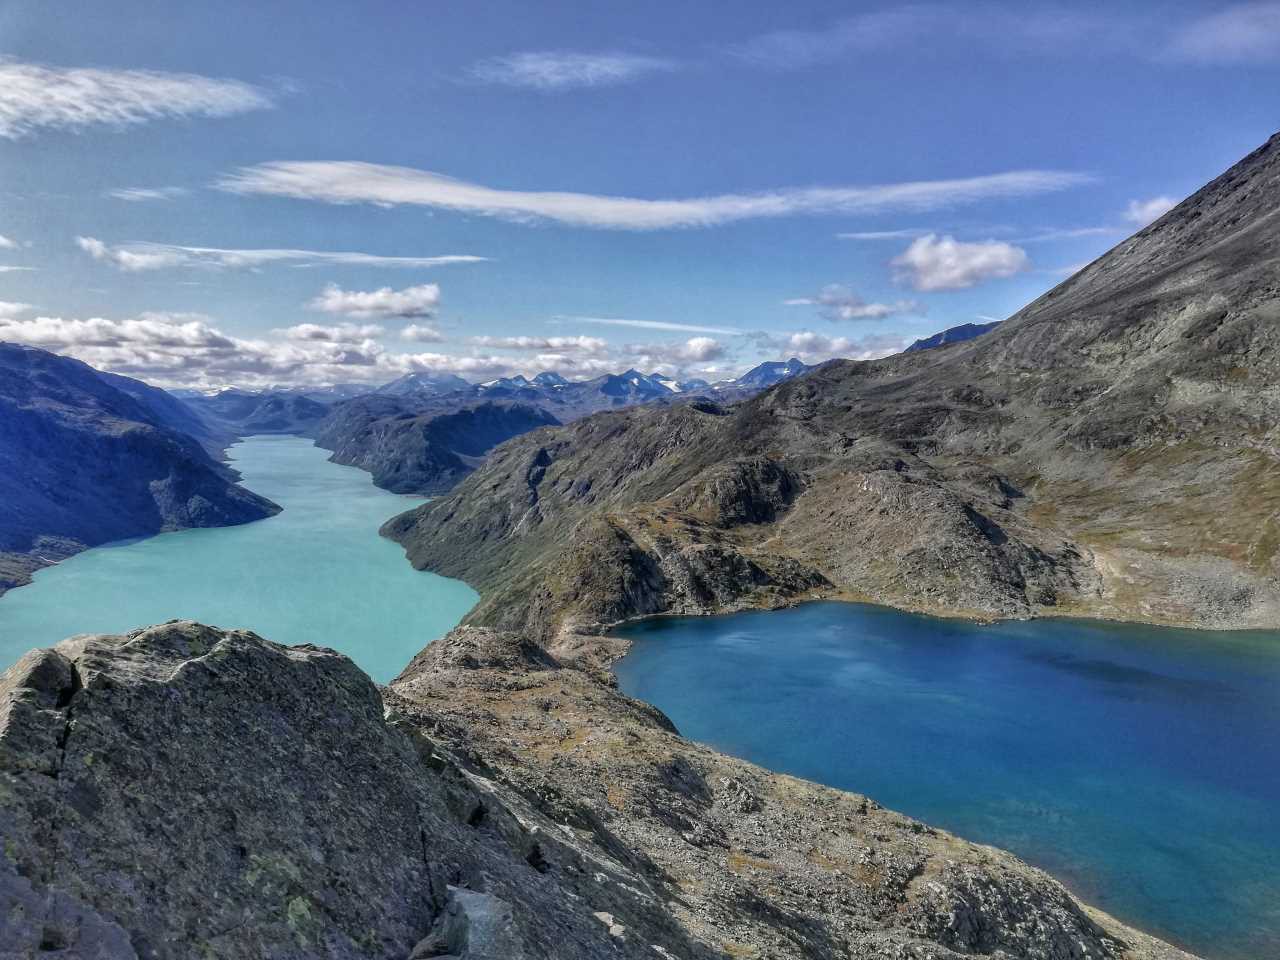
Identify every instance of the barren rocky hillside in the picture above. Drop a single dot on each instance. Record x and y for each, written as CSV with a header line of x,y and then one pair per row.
x,y
1111,450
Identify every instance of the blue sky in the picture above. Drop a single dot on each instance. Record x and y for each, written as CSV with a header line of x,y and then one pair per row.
x,y
308,193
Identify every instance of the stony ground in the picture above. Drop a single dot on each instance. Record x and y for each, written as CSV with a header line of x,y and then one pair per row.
x,y
190,792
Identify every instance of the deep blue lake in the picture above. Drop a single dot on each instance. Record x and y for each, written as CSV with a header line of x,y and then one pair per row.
x,y
1139,765
315,573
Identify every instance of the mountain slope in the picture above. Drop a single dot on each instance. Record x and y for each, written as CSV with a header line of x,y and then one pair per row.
x,y
84,463
1110,450
965,331
423,453
244,414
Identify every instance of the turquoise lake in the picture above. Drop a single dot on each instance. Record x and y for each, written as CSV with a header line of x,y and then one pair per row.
x,y
1141,766
315,573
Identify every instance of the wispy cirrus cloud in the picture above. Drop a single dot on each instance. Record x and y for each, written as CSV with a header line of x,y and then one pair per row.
x,y
143,194
355,182
651,325
10,268
1243,33
134,257
884,234
411,302
36,97
556,70
839,302
944,263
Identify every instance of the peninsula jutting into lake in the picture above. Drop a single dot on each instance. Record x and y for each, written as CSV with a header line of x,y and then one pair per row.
x,y
730,481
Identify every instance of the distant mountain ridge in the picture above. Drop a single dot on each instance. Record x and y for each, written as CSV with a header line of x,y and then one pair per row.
x,y
965,331
87,458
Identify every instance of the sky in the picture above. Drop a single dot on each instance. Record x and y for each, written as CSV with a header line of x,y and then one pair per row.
x,y
205,195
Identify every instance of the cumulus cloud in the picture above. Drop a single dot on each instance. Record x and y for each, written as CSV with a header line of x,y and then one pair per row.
x,y
9,308
1240,34
838,302
411,302
35,97
816,347
551,70
135,257
190,350
421,333
353,182
944,263
577,344
141,194
678,355
1142,212
339,333
6,243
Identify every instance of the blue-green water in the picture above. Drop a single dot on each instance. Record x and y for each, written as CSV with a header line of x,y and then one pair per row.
x,y
315,573
1139,765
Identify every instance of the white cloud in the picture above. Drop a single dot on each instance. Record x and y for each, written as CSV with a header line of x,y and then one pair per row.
x,y
838,302
650,325
1046,30
678,355
139,194
1069,233
35,97
421,333
9,268
9,308
578,344
944,263
815,347
882,234
1142,212
419,301
551,70
353,182
135,257
338,333
1239,34
6,243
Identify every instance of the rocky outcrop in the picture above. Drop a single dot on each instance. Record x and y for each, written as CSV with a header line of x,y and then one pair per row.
x,y
184,791
1111,450
83,462
421,452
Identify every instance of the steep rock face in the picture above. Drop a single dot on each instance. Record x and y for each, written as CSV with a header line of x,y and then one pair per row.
x,y
84,463
184,791
1110,450
426,453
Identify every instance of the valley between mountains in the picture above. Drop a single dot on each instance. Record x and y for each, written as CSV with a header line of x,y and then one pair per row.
x,y
1111,450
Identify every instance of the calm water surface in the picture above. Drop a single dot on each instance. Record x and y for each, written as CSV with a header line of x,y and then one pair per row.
x,y
1139,765
316,573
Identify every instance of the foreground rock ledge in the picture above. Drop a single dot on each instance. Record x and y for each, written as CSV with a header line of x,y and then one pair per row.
x,y
185,791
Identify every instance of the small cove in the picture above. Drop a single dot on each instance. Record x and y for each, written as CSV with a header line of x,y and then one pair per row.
x,y
1139,765
315,573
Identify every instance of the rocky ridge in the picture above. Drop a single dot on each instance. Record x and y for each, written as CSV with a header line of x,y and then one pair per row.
x,y
500,805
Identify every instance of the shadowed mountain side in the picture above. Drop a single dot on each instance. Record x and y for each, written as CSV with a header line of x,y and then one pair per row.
x,y
84,463
1110,450
426,453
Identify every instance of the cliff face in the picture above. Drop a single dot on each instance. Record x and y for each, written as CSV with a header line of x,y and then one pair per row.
x,y
185,791
415,452
1110,450
84,463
